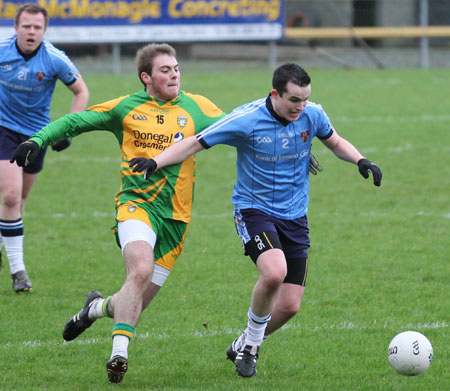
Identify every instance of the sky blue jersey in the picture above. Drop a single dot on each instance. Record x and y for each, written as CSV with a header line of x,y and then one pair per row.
x,y
272,155
26,87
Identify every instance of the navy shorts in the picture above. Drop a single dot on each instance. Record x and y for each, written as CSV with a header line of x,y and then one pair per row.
x,y
293,235
10,140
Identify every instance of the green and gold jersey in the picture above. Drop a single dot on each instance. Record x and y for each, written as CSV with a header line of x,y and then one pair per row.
x,y
144,127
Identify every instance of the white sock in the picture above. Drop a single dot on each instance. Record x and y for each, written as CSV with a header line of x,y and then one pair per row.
x,y
120,346
96,310
255,328
14,252
240,341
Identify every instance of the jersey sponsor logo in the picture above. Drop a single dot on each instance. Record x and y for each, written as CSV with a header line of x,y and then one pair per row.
x,y
304,135
139,117
152,140
178,137
132,208
182,121
40,76
304,153
6,67
263,140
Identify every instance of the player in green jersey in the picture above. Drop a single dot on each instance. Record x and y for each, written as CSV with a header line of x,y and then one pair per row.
x,y
152,216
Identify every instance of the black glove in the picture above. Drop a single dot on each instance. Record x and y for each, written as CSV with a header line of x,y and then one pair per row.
x,y
365,166
26,153
61,145
314,165
140,164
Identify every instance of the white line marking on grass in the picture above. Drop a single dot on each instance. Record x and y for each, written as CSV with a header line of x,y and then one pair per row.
x,y
95,214
404,148
344,325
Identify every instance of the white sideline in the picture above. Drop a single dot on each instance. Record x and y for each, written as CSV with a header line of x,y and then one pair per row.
x,y
345,325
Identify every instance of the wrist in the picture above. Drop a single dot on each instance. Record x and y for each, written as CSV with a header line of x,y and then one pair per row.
x,y
36,140
362,161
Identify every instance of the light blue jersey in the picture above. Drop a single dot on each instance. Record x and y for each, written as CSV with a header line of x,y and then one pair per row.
x,y
26,87
272,155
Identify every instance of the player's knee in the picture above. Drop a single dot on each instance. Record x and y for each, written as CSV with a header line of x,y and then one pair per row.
x,y
291,308
141,273
274,277
11,200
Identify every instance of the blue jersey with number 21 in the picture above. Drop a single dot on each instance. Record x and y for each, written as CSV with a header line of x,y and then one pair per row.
x,y
26,87
272,155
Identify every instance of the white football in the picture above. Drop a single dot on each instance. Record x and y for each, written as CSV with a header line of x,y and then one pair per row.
x,y
410,353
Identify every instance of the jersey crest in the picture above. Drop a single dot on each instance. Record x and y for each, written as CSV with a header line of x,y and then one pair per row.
x,y
304,135
40,75
182,121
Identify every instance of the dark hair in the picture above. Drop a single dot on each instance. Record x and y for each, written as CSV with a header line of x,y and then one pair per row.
x,y
289,72
32,9
146,55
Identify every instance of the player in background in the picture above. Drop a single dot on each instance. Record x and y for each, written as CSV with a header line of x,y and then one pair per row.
x,y
29,68
273,138
152,217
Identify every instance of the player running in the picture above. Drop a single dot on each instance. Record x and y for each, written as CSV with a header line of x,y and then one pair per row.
x,y
152,217
273,138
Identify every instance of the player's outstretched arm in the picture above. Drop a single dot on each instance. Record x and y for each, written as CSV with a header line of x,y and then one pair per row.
x,y
176,153
345,150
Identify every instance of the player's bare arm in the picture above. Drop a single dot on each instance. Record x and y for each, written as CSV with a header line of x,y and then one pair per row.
x,y
345,150
80,95
342,148
176,153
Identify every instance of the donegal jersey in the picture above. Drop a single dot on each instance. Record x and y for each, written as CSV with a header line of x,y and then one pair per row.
x,y
144,127
26,86
272,155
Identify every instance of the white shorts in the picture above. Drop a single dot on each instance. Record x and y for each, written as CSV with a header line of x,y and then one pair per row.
x,y
133,230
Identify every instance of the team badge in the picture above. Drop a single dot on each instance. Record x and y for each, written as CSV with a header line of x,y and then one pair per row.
x,y
182,121
304,135
40,75
132,208
178,137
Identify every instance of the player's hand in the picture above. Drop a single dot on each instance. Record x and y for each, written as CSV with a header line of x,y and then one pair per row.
x,y
314,165
365,166
140,164
61,145
26,153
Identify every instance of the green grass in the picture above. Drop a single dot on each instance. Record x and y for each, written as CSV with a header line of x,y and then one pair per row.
x,y
378,261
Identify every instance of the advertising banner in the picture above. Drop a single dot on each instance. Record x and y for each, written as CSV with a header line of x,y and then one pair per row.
x,y
103,21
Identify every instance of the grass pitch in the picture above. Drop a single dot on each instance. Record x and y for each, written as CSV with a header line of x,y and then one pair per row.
x,y
378,261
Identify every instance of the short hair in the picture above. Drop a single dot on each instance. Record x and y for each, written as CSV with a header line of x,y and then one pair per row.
x,y
146,55
31,8
289,72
